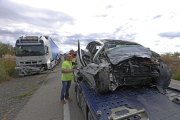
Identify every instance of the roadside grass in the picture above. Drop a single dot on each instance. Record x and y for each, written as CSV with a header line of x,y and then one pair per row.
x,y
42,75
25,94
176,75
32,86
174,65
28,93
31,90
7,69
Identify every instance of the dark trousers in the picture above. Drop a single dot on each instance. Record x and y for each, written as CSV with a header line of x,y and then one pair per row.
x,y
73,63
65,89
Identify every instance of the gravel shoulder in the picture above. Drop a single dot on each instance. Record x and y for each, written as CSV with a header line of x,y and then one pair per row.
x,y
16,93
45,103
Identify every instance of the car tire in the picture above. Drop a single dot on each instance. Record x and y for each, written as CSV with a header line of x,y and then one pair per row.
x,y
102,82
77,96
165,75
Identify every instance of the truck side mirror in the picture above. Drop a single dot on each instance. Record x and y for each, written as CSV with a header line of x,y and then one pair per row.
x,y
46,50
15,48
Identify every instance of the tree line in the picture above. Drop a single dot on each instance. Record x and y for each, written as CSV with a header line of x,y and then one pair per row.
x,y
6,49
175,55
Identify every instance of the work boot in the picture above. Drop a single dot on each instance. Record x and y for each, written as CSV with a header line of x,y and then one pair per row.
x,y
69,99
63,101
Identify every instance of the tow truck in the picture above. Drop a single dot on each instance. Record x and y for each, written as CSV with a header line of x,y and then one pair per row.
x,y
127,103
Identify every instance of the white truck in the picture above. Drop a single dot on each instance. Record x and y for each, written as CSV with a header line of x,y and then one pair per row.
x,y
35,54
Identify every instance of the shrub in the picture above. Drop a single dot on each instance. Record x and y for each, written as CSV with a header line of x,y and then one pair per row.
x,y
10,68
176,75
7,70
6,49
3,73
173,62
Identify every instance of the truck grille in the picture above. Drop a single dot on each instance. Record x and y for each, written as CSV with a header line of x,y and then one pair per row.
x,y
31,62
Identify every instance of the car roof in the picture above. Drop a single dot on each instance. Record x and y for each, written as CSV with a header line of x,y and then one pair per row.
x,y
122,42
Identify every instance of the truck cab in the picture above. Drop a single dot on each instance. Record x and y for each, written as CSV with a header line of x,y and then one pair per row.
x,y
35,54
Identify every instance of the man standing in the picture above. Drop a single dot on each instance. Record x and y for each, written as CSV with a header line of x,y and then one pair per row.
x,y
67,76
57,58
74,60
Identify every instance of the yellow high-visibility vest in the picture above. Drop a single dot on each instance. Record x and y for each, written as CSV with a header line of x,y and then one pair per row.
x,y
67,65
73,59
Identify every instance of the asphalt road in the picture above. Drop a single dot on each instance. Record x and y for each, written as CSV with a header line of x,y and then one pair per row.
x,y
175,84
45,103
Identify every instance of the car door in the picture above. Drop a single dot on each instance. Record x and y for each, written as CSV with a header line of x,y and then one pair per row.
x,y
79,58
83,61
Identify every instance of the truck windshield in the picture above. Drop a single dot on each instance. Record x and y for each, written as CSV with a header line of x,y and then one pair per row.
x,y
28,50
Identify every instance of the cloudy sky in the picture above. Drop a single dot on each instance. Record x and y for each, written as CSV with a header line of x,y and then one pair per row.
x,y
152,23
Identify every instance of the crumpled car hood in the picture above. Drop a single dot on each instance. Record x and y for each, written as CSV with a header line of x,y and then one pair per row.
x,y
122,53
93,68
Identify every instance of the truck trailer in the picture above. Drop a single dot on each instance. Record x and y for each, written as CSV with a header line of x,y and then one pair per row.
x,y
35,54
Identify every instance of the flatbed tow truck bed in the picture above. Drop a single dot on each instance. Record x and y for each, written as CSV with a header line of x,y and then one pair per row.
x,y
128,103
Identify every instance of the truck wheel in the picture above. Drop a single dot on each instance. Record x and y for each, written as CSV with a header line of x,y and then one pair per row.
x,y
89,116
55,62
102,82
77,96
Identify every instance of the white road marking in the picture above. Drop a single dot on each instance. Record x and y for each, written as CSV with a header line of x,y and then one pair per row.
x,y
66,106
66,111
175,83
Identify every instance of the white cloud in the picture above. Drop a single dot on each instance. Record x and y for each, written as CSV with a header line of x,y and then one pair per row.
x,y
141,21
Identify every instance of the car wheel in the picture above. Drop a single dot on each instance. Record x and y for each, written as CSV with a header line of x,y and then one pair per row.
x,y
102,82
77,96
165,75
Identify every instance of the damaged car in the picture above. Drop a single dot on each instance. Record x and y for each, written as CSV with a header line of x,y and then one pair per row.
x,y
108,64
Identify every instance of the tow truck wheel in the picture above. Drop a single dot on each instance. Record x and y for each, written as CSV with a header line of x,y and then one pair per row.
x,y
77,96
89,116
